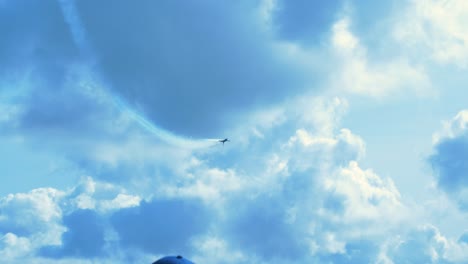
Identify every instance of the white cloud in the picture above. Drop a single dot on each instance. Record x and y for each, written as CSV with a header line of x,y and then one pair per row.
x,y
265,9
282,157
435,29
29,221
343,40
367,196
29,213
210,184
425,244
121,201
320,114
99,196
356,73
289,188
319,192
296,154
303,176
13,247
448,159
452,128
213,250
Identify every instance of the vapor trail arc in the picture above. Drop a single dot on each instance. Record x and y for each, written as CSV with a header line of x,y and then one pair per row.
x,y
161,133
78,33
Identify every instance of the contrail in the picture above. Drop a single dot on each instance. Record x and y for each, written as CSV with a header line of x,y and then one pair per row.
x,y
163,134
79,37
73,20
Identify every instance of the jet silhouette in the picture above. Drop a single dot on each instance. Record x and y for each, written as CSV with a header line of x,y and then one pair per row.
x,y
223,140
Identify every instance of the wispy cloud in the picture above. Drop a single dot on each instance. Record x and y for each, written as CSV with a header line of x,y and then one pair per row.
x,y
435,30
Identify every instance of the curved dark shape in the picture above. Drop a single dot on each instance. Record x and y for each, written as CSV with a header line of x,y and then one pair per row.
x,y
223,141
173,260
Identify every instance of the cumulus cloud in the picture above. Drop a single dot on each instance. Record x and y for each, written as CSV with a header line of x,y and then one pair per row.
x,y
426,245
304,189
14,247
435,30
290,188
304,197
25,214
96,220
359,74
29,220
449,158
320,196
84,237
212,249
366,195
101,196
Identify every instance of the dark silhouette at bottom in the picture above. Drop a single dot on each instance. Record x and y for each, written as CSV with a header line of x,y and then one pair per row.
x,y
173,260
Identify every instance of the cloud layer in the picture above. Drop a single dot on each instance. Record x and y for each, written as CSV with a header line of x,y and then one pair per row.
x,y
306,191
106,92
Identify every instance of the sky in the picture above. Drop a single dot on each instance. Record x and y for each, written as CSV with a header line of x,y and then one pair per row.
x,y
347,121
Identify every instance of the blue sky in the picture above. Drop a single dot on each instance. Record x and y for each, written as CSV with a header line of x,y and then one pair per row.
x,y
348,123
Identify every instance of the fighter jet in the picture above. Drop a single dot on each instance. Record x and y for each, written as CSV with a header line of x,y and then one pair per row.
x,y
223,141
